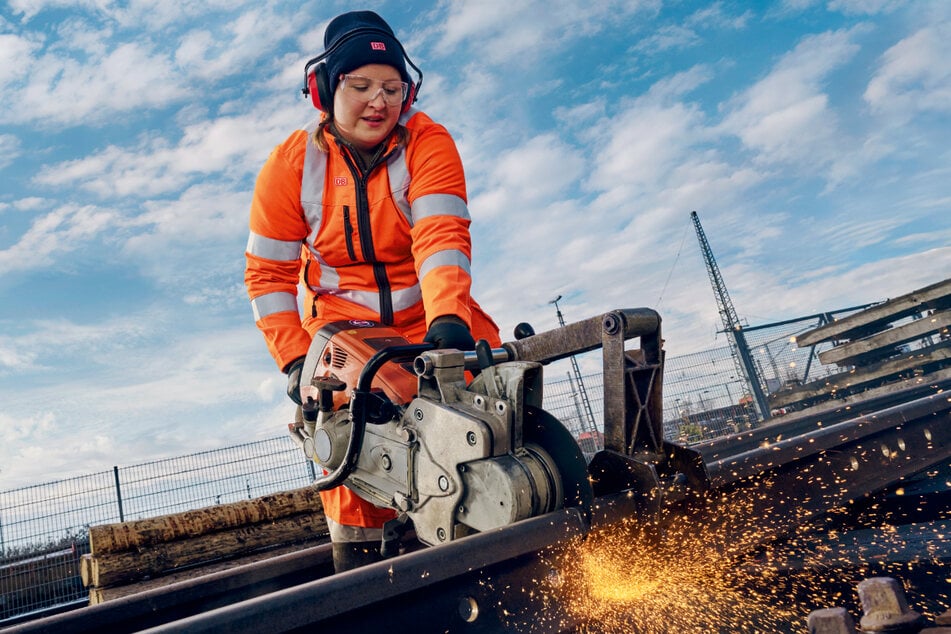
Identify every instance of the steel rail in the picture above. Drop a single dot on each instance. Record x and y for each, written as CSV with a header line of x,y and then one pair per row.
x,y
786,449
797,424
135,612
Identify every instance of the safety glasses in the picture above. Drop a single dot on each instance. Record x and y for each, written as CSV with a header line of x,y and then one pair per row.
x,y
363,90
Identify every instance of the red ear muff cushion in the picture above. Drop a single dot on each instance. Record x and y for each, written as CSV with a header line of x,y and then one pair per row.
x,y
312,90
319,86
410,98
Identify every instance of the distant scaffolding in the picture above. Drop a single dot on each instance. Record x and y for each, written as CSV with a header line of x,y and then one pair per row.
x,y
703,396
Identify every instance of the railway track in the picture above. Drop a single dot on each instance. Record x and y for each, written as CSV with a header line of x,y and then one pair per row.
x,y
779,479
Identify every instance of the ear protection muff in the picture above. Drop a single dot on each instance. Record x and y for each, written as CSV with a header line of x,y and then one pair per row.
x,y
318,87
317,79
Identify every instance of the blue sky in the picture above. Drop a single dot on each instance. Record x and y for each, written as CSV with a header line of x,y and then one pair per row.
x,y
811,137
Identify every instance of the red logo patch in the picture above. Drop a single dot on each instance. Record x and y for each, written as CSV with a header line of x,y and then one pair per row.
x,y
340,181
378,46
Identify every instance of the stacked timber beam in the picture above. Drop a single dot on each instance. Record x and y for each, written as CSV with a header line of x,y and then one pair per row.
x,y
894,348
134,556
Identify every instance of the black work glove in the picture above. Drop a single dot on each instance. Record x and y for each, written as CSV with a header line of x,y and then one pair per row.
x,y
449,331
293,371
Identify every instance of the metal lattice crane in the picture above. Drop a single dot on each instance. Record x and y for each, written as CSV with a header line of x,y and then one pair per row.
x,y
731,323
591,427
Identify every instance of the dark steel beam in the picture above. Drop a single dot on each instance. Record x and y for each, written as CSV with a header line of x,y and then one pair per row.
x,y
358,595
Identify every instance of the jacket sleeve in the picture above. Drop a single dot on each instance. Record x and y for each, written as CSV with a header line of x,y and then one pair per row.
x,y
278,230
442,247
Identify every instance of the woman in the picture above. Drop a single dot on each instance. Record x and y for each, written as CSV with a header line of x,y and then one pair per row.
x,y
367,208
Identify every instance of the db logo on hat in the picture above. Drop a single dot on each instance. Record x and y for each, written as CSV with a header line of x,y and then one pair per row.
x,y
378,46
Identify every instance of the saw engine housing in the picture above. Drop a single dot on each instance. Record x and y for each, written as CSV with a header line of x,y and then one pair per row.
x,y
400,426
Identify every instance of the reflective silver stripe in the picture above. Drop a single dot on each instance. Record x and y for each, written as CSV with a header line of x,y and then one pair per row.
x,y
402,299
312,183
311,198
271,249
272,303
439,205
406,116
449,257
346,533
407,297
330,285
398,173
329,278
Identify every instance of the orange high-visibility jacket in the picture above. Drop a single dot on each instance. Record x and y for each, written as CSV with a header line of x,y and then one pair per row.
x,y
392,246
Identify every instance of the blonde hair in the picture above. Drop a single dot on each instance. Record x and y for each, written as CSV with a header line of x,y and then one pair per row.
x,y
320,140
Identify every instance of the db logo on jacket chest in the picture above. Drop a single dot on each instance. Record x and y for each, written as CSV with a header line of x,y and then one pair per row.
x,y
340,181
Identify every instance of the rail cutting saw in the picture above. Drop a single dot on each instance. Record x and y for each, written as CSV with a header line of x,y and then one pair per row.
x,y
405,426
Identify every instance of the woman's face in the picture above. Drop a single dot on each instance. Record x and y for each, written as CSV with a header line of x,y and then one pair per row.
x,y
362,115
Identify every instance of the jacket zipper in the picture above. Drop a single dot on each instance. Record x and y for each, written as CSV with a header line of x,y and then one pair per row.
x,y
366,238
348,232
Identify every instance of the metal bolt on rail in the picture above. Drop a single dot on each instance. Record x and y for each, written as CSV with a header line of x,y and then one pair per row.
x,y
831,621
886,608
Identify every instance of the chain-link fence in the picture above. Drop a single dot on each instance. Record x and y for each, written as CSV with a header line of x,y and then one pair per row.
x,y
44,528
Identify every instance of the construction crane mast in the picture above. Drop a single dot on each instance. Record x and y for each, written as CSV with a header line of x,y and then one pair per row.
x,y
731,323
591,427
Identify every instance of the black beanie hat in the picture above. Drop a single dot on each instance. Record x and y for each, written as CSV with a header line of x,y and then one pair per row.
x,y
378,45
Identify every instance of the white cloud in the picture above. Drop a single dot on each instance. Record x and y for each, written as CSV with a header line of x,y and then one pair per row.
x,y
81,38
679,84
29,8
914,75
786,119
31,203
16,53
45,343
861,232
686,34
141,385
198,368
65,91
798,5
229,146
543,169
645,164
232,46
56,233
150,14
641,146
14,357
205,229
94,71
872,281
15,430
520,34
665,38
866,7
155,15
714,16
10,148
847,7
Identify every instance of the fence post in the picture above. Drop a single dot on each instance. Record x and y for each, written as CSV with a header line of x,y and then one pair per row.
x,y
115,472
